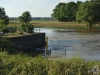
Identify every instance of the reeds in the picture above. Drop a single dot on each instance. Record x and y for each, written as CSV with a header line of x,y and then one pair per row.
x,y
56,24
24,65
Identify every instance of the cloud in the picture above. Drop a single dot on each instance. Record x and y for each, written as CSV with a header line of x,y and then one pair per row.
x,y
63,1
66,1
34,1
42,2
31,1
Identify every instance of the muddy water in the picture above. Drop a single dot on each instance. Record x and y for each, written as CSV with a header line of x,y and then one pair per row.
x,y
85,45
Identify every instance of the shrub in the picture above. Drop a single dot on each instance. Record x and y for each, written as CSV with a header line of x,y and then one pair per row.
x,y
27,27
24,65
6,45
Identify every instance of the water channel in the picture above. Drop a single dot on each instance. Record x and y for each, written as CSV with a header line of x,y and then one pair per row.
x,y
85,45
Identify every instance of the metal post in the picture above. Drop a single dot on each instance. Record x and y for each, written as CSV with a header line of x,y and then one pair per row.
x,y
50,53
46,43
65,53
39,30
36,30
46,46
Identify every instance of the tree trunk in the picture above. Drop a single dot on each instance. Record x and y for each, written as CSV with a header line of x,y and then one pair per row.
x,y
90,26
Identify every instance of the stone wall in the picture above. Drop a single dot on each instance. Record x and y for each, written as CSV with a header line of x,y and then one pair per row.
x,y
28,41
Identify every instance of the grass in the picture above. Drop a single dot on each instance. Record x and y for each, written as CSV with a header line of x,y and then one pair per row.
x,y
24,65
57,24
82,27
54,24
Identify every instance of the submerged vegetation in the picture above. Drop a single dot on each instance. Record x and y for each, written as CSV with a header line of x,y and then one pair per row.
x,y
24,65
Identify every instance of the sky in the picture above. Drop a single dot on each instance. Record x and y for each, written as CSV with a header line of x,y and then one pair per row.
x,y
37,8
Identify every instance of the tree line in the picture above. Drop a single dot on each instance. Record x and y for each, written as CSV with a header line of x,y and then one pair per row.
x,y
88,11
24,18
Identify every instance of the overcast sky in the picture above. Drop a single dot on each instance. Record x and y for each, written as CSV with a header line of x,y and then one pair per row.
x,y
37,8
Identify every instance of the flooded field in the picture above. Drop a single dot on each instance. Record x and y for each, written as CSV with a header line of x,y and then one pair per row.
x,y
85,45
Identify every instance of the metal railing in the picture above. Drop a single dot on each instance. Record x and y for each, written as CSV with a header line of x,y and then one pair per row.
x,y
55,53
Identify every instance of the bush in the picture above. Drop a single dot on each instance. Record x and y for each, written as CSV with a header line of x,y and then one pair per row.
x,y
6,45
4,29
27,27
24,65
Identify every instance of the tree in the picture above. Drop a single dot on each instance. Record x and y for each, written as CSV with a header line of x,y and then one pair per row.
x,y
4,19
59,12
95,0
89,12
65,12
26,17
2,13
71,10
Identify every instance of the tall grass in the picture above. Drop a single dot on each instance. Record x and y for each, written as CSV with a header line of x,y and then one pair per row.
x,y
24,65
56,24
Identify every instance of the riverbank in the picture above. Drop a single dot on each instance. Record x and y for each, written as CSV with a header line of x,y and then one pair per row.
x,y
80,27
24,65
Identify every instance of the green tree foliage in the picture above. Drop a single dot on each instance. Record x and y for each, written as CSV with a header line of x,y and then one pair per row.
x,y
71,10
24,20
89,12
26,17
65,12
60,12
95,0
4,19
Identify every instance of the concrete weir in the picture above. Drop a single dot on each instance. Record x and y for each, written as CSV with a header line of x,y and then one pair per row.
x,y
28,41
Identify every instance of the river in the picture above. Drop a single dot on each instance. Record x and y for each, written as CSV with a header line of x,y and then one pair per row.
x,y
85,45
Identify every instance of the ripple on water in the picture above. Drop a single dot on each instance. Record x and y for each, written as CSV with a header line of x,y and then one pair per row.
x,y
86,45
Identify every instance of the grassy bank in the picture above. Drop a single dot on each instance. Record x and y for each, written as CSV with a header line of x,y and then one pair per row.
x,y
82,27
24,65
51,24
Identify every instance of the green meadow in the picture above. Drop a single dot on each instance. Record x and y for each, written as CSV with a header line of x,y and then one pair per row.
x,y
55,24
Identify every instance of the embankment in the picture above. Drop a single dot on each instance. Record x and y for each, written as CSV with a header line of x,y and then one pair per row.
x,y
28,41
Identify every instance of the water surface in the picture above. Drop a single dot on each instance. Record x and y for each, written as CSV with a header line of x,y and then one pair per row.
x,y
85,45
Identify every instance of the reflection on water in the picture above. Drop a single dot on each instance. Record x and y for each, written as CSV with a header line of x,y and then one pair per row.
x,y
86,45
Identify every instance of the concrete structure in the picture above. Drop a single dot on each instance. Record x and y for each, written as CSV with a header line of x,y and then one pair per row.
x,y
28,41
